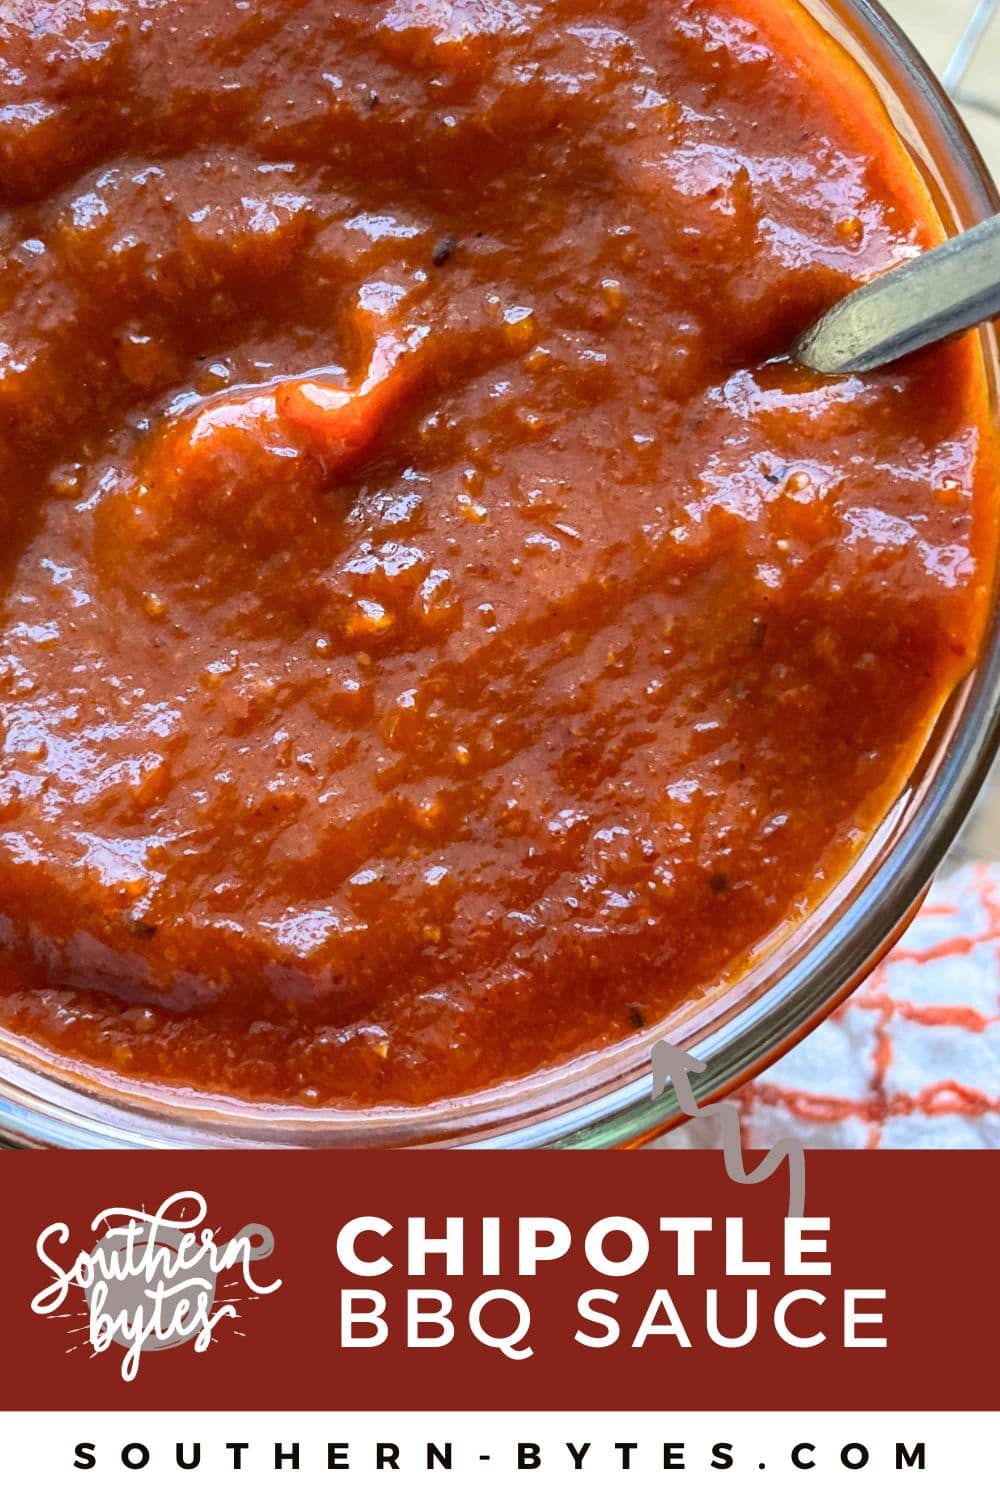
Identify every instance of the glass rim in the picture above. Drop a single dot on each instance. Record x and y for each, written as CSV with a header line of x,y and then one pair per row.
x,y
604,1099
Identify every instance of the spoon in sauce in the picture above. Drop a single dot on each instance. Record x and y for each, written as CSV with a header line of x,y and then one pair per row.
x,y
932,297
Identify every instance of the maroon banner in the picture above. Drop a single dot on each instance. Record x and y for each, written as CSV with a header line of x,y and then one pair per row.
x,y
909,1226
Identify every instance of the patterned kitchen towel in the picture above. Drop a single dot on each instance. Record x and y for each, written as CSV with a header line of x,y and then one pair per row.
x,y
912,1059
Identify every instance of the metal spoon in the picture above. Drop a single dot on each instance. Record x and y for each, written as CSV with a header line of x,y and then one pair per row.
x,y
930,298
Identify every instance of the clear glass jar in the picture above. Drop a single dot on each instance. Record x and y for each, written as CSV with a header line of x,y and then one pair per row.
x,y
604,1100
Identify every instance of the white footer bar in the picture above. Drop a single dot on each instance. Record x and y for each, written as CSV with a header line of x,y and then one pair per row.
x,y
416,1455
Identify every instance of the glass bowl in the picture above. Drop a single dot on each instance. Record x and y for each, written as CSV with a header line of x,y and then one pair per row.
x,y
604,1100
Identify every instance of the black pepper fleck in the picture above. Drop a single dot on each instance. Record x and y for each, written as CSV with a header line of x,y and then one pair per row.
x,y
444,250
139,928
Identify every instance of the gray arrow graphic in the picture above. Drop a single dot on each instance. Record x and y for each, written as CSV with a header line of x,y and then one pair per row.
x,y
671,1065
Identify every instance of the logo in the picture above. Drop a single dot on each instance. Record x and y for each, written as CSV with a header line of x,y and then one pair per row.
x,y
153,1281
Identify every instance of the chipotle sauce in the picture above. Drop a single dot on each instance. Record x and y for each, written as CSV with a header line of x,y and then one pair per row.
x,y
439,633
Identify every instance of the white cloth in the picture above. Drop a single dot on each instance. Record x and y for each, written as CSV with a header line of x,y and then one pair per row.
x,y
912,1059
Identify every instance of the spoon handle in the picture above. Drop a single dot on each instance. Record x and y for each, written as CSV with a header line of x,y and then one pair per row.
x,y
928,299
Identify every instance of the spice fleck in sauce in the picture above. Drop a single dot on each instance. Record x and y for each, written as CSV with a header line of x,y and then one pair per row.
x,y
437,634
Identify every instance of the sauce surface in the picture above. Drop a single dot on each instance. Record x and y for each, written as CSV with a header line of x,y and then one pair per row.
x,y
437,635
